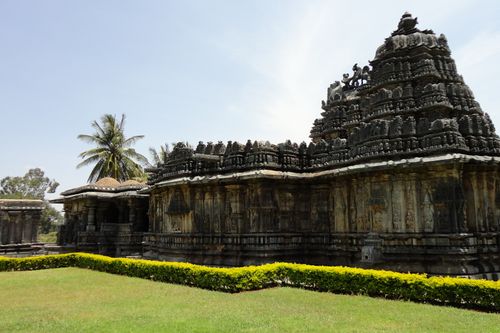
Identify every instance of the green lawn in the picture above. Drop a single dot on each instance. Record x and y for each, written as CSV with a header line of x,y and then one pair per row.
x,y
50,237
78,300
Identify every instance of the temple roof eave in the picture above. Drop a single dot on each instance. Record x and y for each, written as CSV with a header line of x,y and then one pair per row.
x,y
94,189
351,169
21,204
98,195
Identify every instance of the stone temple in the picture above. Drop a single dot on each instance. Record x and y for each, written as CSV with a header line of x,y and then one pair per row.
x,y
402,173
19,220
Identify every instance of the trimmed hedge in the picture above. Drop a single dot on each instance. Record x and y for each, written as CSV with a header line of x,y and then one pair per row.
x,y
477,294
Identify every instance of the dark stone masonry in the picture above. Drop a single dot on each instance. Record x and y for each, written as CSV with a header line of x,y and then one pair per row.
x,y
19,220
107,217
402,173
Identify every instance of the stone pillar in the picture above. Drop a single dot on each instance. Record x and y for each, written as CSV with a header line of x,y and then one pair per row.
x,y
140,214
207,205
234,207
131,211
470,185
14,236
484,201
154,209
352,219
67,236
161,204
27,228
340,220
132,215
91,217
478,190
119,206
490,199
218,210
410,199
100,214
34,226
3,221
320,207
199,221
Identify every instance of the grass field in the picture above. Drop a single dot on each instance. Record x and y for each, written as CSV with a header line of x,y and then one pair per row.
x,y
50,237
78,300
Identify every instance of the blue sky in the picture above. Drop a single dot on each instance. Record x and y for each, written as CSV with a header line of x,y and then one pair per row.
x,y
201,70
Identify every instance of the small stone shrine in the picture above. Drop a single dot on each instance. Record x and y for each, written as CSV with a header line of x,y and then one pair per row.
x,y
19,219
402,173
106,217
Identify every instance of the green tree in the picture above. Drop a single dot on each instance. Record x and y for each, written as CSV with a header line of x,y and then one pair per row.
x,y
113,155
50,218
33,185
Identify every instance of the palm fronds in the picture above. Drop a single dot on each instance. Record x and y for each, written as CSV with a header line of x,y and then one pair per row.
x,y
113,154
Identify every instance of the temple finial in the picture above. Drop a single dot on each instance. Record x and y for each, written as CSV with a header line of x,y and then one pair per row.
x,y
407,25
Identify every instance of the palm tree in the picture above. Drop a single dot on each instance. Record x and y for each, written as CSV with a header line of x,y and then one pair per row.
x,y
113,155
159,157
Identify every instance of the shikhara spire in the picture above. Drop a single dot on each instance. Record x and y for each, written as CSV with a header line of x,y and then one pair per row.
x,y
413,103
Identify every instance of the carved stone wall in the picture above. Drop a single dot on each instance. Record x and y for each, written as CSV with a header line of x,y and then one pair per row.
x,y
423,214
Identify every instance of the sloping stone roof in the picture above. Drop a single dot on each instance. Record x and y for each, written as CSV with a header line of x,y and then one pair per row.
x,y
21,204
106,185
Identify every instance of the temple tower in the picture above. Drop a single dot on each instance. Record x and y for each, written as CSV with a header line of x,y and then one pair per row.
x,y
412,102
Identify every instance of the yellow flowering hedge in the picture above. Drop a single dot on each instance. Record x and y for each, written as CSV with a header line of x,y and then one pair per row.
x,y
478,294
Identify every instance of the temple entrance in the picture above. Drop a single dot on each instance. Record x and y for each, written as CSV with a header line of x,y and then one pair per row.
x,y
112,214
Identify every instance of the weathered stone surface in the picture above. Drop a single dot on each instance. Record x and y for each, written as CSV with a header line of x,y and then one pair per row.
x,y
413,103
419,212
19,221
107,217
